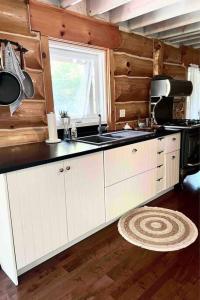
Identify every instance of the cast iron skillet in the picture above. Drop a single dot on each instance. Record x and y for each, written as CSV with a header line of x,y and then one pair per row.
x,y
10,86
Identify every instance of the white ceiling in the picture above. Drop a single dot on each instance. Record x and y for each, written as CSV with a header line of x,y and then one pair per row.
x,y
174,21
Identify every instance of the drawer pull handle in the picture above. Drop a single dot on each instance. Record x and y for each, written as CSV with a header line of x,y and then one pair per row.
x,y
160,179
134,150
161,138
174,139
160,152
159,166
61,170
173,157
68,168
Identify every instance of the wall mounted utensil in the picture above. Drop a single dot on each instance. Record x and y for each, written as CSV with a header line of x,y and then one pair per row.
x,y
10,86
27,83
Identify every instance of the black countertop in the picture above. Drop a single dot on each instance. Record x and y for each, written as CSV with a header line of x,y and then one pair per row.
x,y
24,156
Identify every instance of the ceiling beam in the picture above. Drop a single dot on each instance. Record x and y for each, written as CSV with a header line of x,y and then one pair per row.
x,y
173,23
190,43
177,31
68,3
97,7
184,37
165,13
197,46
137,8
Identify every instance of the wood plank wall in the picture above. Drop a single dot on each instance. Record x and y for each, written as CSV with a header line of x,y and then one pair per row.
x,y
28,123
133,61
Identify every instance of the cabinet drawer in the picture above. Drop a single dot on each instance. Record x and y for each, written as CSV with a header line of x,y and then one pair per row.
x,y
160,171
161,144
172,168
128,194
127,161
160,158
160,185
172,142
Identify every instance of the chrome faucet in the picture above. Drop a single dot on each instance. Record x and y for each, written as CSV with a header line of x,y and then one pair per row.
x,y
100,126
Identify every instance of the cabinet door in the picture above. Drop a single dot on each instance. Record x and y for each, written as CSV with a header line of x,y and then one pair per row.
x,y
38,211
84,179
128,194
172,168
127,161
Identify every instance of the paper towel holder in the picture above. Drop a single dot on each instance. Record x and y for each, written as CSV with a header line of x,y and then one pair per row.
x,y
55,138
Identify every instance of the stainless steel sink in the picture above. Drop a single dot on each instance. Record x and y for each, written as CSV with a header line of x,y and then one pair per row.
x,y
113,137
96,139
128,134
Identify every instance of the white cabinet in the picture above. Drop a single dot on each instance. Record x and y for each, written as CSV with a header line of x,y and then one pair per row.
x,y
168,154
84,180
172,142
172,168
38,211
127,161
127,194
47,208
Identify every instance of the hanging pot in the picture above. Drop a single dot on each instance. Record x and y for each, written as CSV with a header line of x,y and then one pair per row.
x,y
10,85
27,82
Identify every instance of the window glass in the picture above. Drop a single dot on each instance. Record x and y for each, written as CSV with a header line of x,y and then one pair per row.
x,y
78,80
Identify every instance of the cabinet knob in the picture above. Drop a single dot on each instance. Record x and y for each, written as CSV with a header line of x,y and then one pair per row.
x,y
134,150
68,168
61,170
159,179
173,157
174,139
159,166
160,152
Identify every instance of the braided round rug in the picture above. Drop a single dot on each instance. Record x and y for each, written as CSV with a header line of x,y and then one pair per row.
x,y
157,229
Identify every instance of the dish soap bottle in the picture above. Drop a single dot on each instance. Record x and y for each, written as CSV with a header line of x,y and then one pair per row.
x,y
74,131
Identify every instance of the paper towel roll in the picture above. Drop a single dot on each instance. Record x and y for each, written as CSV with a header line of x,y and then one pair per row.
x,y
53,134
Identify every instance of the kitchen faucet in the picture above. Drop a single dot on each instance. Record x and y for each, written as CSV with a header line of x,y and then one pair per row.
x,y
100,126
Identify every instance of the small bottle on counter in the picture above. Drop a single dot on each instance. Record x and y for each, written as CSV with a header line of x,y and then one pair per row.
x,y
74,134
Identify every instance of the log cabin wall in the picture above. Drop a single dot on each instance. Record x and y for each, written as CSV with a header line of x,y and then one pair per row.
x,y
131,73
28,123
133,61
173,66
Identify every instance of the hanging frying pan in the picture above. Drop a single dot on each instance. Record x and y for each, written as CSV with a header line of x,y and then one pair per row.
x,y
27,82
10,85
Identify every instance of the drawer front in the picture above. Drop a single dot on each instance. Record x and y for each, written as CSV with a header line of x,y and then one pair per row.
x,y
160,158
172,168
160,171
161,144
128,194
172,142
160,185
127,161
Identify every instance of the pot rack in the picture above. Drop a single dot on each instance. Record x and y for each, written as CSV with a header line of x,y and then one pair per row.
x,y
19,47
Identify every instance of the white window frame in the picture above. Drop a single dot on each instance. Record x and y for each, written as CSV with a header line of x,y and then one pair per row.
x,y
101,77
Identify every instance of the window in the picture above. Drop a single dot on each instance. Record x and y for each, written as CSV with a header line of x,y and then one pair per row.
x,y
79,82
193,102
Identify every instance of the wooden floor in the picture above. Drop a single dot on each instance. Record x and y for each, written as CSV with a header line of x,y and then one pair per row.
x,y
106,267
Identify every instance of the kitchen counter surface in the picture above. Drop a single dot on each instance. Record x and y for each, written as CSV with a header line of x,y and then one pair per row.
x,y
25,156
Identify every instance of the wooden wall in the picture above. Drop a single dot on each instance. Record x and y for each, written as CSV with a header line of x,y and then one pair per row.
x,y
131,73
133,61
28,124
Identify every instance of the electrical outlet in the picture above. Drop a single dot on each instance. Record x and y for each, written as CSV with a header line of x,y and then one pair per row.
x,y
122,113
